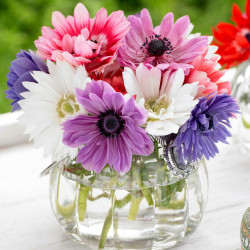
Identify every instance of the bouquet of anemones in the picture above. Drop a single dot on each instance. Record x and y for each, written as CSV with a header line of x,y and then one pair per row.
x,y
111,93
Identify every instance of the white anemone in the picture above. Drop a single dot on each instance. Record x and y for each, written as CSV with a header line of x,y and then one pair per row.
x,y
47,104
168,101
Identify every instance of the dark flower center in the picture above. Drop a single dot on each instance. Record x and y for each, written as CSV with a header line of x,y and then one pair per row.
x,y
94,41
158,46
110,124
247,36
210,123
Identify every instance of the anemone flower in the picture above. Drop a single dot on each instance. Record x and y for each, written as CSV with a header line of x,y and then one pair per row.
x,y
20,71
49,103
206,127
111,133
234,40
207,71
81,40
168,101
166,46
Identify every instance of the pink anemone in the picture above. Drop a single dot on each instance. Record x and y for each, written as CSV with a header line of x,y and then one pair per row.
x,y
81,40
207,72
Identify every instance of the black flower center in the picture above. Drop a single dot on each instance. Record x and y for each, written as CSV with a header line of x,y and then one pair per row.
x,y
110,124
158,46
247,36
94,41
209,123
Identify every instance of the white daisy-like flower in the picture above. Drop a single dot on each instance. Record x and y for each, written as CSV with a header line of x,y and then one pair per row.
x,y
49,103
168,101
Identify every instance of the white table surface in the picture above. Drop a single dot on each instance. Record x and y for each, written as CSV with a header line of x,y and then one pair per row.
x,y
27,222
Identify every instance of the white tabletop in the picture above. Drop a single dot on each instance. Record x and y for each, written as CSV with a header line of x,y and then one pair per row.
x,y
27,222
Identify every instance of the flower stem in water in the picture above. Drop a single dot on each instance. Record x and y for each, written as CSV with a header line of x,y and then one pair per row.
x,y
107,223
68,210
134,207
82,201
147,192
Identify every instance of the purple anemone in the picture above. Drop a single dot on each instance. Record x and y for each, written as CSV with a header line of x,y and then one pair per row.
x,y
206,127
111,132
166,46
20,70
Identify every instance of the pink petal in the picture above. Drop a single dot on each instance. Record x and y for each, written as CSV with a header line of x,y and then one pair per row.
x,y
99,22
61,24
166,24
81,16
81,60
43,48
69,58
136,29
85,33
147,22
116,24
179,30
56,55
71,22
82,48
49,33
68,43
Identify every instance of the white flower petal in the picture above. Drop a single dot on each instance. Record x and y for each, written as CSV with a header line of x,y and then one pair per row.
x,y
40,117
131,84
149,81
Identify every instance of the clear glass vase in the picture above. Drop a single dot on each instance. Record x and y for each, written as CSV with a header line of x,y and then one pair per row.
x,y
245,230
146,208
241,90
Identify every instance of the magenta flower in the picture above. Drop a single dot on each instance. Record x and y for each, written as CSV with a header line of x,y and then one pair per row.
x,y
166,46
111,133
81,40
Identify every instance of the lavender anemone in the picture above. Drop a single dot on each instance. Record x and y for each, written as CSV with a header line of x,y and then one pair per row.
x,y
111,132
206,127
20,70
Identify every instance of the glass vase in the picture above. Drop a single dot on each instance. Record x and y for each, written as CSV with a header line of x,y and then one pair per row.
x,y
147,208
245,230
241,90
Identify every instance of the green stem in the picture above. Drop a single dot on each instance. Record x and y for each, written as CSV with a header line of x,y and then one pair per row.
x,y
180,204
65,211
145,190
122,203
104,195
107,223
106,226
134,208
164,196
109,218
82,201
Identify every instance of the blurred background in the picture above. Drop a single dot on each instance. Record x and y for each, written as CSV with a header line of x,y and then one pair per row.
x,y
21,21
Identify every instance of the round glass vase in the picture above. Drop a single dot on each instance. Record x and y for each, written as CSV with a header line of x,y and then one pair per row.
x,y
241,90
146,208
245,230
